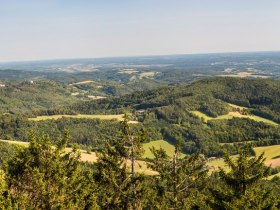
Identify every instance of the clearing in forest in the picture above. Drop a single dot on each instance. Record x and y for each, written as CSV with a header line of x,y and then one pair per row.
x,y
96,97
237,107
128,71
147,74
271,153
169,148
85,157
230,115
83,82
118,117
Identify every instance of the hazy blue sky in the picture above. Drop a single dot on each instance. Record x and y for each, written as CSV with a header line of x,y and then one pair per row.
x,y
46,29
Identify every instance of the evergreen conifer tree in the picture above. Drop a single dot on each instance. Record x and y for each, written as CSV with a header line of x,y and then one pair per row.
x,y
119,183
42,176
180,178
241,186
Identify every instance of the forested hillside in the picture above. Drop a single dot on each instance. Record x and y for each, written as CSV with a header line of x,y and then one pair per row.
x,y
203,116
23,97
251,93
170,112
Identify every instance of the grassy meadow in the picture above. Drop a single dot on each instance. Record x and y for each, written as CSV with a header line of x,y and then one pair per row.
x,y
271,152
169,148
118,117
230,115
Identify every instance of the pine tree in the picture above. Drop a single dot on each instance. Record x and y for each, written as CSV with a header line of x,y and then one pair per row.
x,y
241,186
179,178
115,174
46,177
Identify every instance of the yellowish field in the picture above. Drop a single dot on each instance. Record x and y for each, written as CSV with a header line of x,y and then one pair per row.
x,y
237,107
16,142
206,117
85,157
96,97
218,163
127,71
142,167
230,115
75,94
270,151
118,117
83,82
169,148
244,74
147,74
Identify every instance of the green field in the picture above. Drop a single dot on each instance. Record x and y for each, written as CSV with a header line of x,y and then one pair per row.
x,y
118,117
230,115
218,163
84,155
169,148
16,142
270,152
206,117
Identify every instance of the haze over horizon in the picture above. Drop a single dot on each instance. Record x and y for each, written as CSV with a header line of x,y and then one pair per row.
x,y
43,30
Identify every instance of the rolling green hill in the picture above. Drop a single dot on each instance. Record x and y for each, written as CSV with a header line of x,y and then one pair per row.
x,y
23,97
243,109
203,116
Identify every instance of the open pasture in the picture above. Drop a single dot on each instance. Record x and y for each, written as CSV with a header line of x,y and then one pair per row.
x,y
83,82
118,117
230,115
147,74
169,148
237,107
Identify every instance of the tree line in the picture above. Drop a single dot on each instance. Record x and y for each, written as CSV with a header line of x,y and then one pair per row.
x,y
44,176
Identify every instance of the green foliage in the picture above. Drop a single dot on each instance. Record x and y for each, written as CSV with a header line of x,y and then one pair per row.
x,y
21,98
5,201
119,188
45,177
180,179
7,151
241,186
170,109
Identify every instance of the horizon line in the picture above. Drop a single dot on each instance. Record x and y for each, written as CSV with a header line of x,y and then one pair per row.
x,y
135,56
